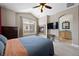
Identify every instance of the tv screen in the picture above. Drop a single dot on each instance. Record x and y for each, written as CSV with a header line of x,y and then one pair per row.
x,y
53,25
50,25
57,26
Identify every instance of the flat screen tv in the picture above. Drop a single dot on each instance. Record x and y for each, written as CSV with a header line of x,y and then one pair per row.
x,y
53,25
50,26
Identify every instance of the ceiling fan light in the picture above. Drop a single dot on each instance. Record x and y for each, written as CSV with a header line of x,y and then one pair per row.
x,y
42,6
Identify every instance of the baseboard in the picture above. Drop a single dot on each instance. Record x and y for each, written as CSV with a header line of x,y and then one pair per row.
x,y
75,45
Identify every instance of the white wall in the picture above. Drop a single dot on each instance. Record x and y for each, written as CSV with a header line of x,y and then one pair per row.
x,y
43,22
8,17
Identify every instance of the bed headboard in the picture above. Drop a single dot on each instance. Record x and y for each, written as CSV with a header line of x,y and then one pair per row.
x,y
10,32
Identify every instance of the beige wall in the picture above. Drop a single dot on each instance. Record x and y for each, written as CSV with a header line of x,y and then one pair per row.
x,y
8,17
19,17
78,24
11,18
75,30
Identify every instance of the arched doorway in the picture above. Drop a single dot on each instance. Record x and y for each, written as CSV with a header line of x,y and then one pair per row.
x,y
65,28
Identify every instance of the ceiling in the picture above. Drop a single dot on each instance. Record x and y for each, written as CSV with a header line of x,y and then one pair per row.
x,y
28,7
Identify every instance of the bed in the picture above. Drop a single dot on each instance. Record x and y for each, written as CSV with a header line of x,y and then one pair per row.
x,y
28,46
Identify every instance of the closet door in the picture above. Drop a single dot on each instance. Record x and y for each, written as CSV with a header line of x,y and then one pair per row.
x,y
0,20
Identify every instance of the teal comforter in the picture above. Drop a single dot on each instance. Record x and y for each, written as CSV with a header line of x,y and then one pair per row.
x,y
38,46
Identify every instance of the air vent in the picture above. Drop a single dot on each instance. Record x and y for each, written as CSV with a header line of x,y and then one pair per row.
x,y
70,4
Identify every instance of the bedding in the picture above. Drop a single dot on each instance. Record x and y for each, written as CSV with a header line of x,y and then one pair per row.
x,y
3,39
15,48
1,48
29,46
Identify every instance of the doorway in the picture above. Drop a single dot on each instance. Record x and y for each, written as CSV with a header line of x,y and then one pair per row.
x,y
65,29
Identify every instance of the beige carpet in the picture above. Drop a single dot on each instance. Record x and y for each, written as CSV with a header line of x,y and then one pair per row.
x,y
65,49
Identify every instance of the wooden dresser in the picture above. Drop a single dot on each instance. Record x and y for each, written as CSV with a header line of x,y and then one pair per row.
x,y
10,32
65,35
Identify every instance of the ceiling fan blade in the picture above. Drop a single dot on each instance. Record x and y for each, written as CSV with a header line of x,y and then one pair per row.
x,y
48,7
36,6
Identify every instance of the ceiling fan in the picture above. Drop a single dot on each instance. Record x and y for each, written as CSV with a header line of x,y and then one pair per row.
x,y
42,6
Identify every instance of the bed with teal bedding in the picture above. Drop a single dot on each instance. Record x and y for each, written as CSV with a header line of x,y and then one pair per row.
x,y
35,45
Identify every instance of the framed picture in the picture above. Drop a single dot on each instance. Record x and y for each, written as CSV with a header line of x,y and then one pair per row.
x,y
66,25
42,29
